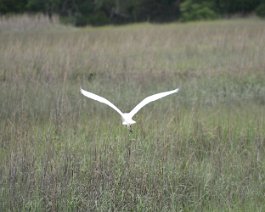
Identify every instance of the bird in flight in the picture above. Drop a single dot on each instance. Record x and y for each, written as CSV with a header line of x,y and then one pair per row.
x,y
127,117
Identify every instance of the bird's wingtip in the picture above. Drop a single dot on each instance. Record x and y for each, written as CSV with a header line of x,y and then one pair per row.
x,y
176,90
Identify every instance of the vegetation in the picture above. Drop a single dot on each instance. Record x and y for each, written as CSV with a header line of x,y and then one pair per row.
x,y
196,11
102,12
261,10
201,149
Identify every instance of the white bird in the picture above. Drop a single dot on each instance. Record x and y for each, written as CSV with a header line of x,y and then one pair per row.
x,y
127,117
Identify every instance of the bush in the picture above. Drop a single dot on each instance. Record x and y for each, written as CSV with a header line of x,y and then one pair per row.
x,y
80,20
99,18
191,11
260,11
242,7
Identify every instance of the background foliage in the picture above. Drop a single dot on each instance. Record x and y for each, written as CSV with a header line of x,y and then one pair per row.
x,y
100,12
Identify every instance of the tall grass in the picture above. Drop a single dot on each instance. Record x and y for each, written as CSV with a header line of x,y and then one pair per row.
x,y
201,149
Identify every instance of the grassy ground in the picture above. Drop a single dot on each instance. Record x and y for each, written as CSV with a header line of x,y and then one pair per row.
x,y
201,149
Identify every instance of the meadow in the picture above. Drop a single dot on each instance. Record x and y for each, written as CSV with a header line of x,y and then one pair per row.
x,y
201,149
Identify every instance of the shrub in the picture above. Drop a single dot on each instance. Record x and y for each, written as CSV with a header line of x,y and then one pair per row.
x,y
99,18
196,11
260,11
80,20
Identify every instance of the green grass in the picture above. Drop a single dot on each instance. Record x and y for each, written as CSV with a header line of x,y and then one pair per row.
x,y
199,150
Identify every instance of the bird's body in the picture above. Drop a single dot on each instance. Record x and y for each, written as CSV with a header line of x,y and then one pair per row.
x,y
127,117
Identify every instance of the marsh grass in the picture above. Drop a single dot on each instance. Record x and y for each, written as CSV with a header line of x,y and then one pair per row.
x,y
201,149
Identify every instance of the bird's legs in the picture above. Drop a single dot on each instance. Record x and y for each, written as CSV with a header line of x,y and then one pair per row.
x,y
130,129
129,143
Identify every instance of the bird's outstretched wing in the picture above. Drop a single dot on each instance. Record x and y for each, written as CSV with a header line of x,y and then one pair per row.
x,y
149,99
100,99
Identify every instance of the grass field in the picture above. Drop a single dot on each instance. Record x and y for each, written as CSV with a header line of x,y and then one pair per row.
x,y
199,150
